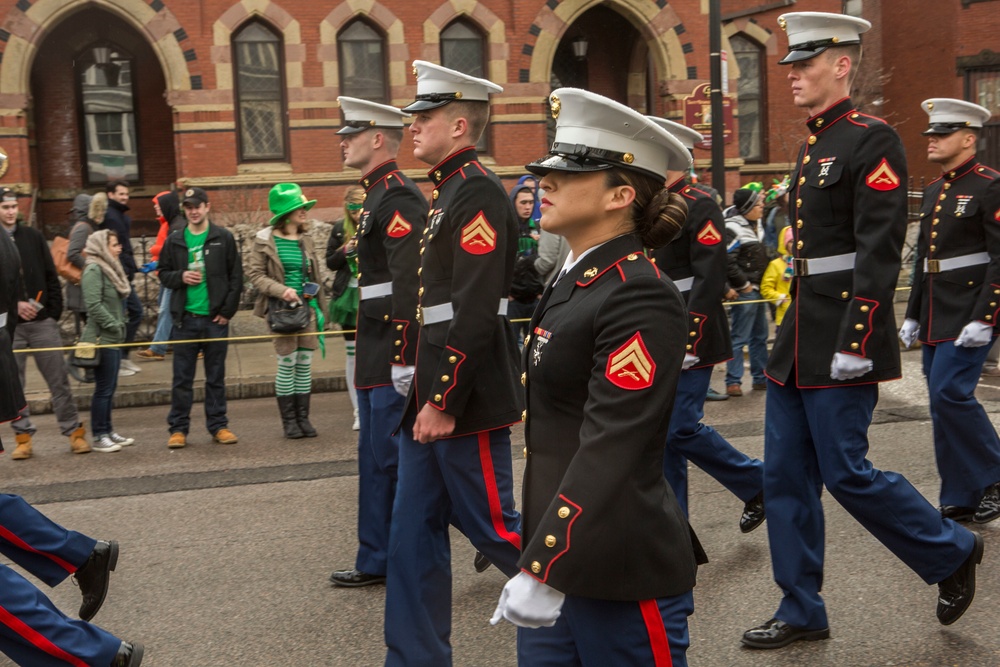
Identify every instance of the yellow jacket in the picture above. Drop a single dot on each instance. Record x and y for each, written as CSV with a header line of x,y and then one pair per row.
x,y
775,283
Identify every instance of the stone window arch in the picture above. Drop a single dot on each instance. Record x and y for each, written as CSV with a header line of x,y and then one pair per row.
x,y
361,57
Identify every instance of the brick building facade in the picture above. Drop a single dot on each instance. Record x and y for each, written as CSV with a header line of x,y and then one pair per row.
x,y
236,96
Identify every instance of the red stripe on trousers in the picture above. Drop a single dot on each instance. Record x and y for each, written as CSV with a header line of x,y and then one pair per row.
x,y
37,639
492,493
21,544
657,633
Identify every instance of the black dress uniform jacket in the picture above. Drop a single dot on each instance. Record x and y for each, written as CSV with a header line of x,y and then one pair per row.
x,y
467,365
603,361
11,394
699,252
849,195
389,231
960,216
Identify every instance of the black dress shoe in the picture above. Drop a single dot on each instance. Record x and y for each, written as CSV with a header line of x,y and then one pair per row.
x,y
753,513
355,578
989,506
481,563
956,513
94,577
775,634
129,655
956,592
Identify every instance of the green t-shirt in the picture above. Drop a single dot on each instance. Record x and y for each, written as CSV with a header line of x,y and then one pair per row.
x,y
197,295
290,256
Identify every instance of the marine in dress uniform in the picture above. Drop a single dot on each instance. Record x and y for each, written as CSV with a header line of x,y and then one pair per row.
x,y
696,262
954,306
607,548
466,375
388,245
33,631
836,343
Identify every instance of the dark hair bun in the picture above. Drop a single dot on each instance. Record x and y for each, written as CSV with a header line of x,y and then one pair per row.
x,y
662,219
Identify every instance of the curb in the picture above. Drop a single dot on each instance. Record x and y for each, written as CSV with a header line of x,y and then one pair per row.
x,y
261,387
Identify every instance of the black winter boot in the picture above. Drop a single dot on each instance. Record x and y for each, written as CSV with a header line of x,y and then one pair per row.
x,y
302,410
289,419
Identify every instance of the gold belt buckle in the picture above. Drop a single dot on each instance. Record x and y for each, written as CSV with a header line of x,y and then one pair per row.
x,y
934,266
800,266
420,315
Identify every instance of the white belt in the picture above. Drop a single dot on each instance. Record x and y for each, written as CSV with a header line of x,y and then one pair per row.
x,y
444,312
684,285
3,320
939,265
375,291
818,265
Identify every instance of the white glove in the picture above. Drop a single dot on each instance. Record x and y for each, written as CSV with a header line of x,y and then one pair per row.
x,y
909,331
975,334
402,378
781,299
528,603
689,361
848,367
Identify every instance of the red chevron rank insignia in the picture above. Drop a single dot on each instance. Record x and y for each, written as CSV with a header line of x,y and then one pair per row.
x,y
883,178
709,235
478,238
630,366
398,226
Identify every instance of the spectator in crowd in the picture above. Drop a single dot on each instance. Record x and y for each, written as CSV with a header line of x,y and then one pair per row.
x,y
532,183
81,227
747,259
168,211
990,368
776,213
39,306
118,221
342,257
777,280
552,252
526,286
105,287
203,268
46,550
282,261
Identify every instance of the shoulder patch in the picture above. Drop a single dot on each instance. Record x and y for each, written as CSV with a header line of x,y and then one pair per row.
x,y
883,178
478,237
630,366
709,235
398,226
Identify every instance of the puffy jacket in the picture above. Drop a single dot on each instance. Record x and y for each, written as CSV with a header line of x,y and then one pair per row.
x,y
746,254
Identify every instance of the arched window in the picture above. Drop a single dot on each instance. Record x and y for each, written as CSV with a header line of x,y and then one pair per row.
x,y
107,95
362,62
259,73
750,59
463,48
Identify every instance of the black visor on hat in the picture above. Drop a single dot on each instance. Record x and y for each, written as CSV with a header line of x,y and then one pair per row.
x,y
431,101
945,128
807,50
572,163
355,126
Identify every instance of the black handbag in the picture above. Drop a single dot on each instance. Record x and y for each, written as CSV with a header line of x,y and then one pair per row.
x,y
284,317
85,355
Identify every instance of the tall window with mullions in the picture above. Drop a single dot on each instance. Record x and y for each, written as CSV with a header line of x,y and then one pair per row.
x,y
262,121
463,49
361,49
749,57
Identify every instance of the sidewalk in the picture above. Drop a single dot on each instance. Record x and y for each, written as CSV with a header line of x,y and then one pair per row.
x,y
250,369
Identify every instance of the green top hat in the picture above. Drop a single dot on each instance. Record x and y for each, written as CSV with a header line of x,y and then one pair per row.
x,y
285,198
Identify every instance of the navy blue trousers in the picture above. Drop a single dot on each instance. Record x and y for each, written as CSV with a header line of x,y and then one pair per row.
x,y
965,442
32,630
690,440
467,481
700,444
602,633
817,437
379,409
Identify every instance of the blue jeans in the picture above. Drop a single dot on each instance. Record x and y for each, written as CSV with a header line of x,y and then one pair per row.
x,y
105,383
749,329
164,322
520,311
204,330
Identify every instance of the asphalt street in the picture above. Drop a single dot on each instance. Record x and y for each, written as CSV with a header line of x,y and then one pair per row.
x,y
226,550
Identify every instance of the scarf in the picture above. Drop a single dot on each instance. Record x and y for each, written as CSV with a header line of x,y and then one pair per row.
x,y
98,253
